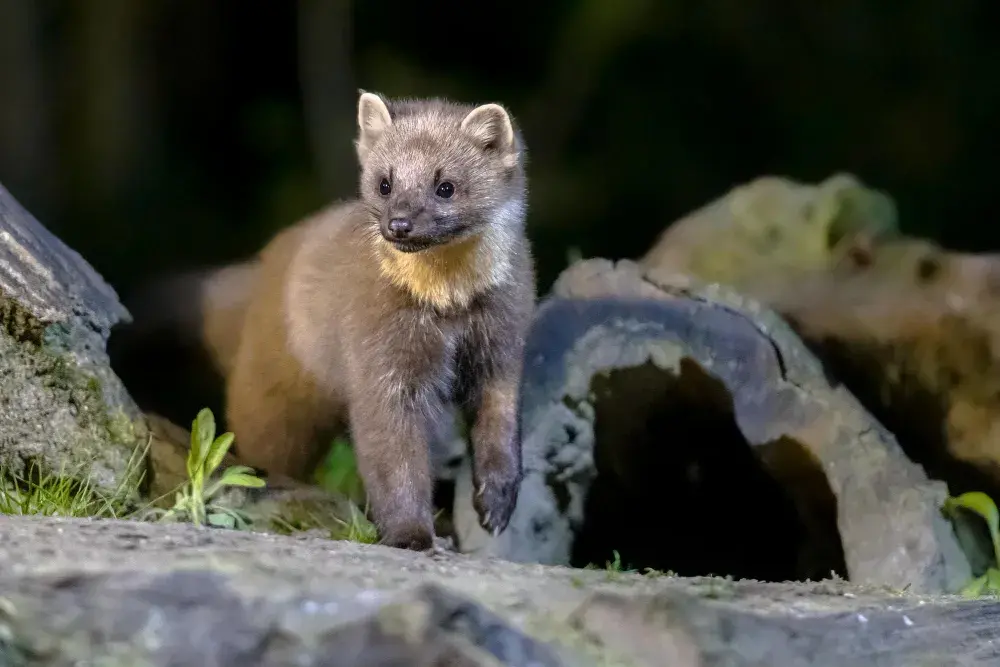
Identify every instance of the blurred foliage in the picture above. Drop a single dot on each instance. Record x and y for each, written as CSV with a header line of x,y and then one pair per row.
x,y
132,128
338,472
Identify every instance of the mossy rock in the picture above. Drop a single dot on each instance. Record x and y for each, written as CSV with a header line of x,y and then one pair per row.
x,y
62,409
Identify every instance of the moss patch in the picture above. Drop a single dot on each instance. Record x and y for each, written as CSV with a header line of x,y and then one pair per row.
x,y
18,323
53,412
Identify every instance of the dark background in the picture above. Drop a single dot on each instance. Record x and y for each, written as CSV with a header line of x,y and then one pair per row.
x,y
154,135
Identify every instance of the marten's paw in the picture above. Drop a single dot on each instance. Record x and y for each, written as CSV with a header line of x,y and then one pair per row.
x,y
496,496
413,536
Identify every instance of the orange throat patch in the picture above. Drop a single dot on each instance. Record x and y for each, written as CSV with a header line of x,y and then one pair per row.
x,y
450,275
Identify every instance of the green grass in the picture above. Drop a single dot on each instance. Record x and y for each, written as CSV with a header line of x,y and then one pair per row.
x,y
359,528
338,474
69,494
54,495
301,518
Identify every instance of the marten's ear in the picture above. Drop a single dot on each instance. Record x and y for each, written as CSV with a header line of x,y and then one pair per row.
x,y
491,127
373,119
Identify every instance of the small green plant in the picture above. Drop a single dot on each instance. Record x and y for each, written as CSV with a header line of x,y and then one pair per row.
x,y
194,499
654,574
981,504
615,567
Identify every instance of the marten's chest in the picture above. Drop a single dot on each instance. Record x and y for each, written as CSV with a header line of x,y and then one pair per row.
x,y
454,350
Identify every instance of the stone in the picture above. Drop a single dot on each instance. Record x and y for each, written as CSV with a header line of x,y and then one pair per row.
x,y
112,592
62,408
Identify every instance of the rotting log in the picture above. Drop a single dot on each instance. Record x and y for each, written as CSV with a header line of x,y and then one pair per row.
x,y
687,428
910,326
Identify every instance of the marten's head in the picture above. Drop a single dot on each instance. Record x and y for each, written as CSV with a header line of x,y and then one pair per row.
x,y
436,173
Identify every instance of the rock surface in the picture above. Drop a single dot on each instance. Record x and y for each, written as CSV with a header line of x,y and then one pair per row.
x,y
691,429
120,593
911,327
63,408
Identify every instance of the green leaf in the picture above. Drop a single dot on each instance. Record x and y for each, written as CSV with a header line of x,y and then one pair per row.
x,y
222,520
202,434
240,519
983,505
192,458
223,480
231,470
242,479
217,452
993,581
974,588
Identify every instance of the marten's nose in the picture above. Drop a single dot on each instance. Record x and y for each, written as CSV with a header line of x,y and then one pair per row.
x,y
400,227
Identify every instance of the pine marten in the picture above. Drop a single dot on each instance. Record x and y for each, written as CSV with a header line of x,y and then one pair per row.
x,y
378,314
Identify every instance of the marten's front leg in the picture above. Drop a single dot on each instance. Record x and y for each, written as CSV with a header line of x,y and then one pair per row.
x,y
393,454
496,450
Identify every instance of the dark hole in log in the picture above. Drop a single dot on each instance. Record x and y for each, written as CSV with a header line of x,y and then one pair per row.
x,y
679,488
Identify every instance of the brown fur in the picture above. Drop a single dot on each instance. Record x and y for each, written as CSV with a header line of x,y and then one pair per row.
x,y
346,326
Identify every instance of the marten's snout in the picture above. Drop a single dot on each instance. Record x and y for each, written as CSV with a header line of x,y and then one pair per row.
x,y
407,233
400,228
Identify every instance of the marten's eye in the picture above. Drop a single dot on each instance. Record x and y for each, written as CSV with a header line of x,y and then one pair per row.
x,y
445,190
385,187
